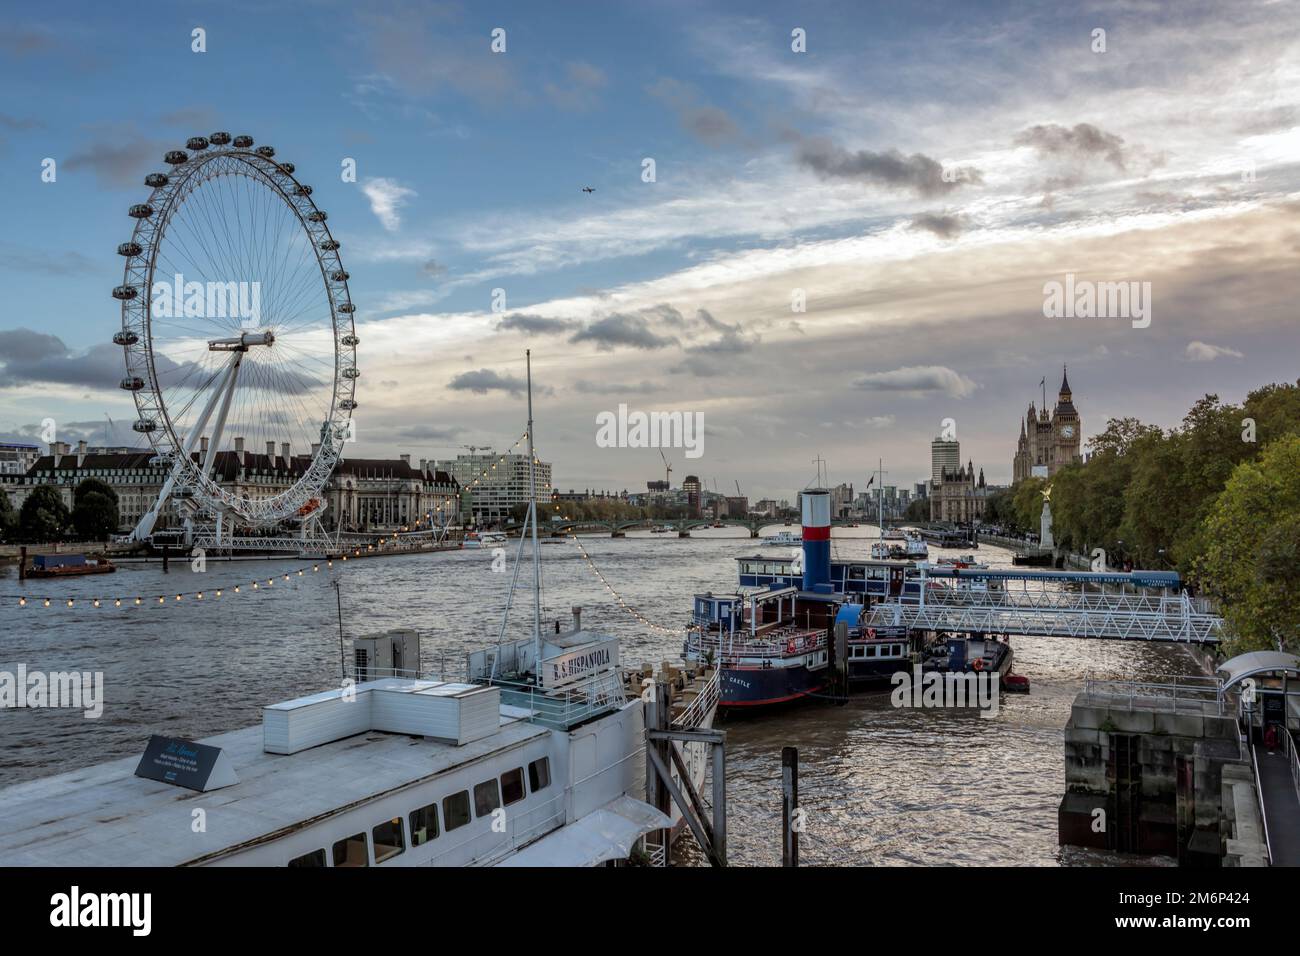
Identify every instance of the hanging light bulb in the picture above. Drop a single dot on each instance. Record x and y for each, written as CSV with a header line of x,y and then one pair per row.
x,y
117,602
22,602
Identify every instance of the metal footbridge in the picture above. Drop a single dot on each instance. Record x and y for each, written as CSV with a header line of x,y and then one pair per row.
x,y
1105,606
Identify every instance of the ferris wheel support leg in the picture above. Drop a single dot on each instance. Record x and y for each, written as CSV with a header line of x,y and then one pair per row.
x,y
145,528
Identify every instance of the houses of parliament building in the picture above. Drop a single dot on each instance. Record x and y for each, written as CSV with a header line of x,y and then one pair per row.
x,y
1048,442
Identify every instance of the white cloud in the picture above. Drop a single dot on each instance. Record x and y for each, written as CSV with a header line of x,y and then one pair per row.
x,y
1204,352
918,379
386,197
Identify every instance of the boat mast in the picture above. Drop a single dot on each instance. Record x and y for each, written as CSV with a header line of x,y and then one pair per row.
x,y
532,510
880,496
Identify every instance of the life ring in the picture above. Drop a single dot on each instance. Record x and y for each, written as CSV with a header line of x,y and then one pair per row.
x,y
871,632
789,646
978,664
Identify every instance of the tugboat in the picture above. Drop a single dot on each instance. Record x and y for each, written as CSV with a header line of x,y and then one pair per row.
x,y
771,646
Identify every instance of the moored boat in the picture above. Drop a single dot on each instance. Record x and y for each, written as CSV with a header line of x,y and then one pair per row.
x,y
67,566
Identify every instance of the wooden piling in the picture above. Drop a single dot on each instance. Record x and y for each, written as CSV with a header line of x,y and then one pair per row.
x,y
789,806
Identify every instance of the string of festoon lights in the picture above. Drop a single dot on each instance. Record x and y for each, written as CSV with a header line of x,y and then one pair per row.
x,y
618,598
225,591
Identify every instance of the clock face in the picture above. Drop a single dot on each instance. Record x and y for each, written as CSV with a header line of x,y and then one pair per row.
x,y
1067,431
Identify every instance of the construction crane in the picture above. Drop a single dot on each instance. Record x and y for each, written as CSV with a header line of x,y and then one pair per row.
x,y
474,448
668,469
739,493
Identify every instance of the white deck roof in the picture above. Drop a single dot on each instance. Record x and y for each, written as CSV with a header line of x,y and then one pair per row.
x,y
106,816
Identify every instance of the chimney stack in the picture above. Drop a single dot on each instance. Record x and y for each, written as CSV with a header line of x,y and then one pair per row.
x,y
239,449
284,452
406,458
424,465
577,619
270,450
203,447
57,450
315,447
81,452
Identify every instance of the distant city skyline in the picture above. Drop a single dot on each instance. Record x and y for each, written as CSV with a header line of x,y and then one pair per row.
x,y
840,248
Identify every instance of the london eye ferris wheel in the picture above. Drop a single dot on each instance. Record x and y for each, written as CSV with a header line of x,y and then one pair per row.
x,y
236,321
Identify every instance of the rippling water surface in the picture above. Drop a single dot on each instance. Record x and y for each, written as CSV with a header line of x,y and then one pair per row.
x,y
882,786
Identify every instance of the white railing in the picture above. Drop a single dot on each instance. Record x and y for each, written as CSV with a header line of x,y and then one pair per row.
x,y
1295,759
1190,692
1259,797
735,645
987,612
707,699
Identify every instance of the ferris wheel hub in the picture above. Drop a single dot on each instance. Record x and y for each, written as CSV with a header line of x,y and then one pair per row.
x,y
241,343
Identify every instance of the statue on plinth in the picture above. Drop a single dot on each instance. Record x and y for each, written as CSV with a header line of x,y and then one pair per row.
x,y
1045,539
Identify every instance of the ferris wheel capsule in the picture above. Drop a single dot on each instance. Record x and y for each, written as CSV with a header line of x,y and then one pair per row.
x,y
131,384
145,426
125,292
302,190
156,179
174,157
141,210
338,275
317,215
266,151
347,308
350,339
129,249
219,139
243,142
288,168
330,245
125,337
196,143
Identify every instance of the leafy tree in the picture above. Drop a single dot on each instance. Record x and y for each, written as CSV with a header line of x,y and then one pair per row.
x,y
8,517
43,516
1252,536
918,510
93,485
95,515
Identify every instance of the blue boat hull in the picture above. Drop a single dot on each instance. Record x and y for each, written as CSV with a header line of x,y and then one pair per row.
x,y
767,686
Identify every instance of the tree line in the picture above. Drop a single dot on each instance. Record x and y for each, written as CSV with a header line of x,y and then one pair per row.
x,y
44,517
1216,498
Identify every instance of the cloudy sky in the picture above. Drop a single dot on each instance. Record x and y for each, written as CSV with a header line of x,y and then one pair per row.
x,y
915,177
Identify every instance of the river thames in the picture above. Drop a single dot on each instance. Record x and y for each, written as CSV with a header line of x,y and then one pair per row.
x,y
881,786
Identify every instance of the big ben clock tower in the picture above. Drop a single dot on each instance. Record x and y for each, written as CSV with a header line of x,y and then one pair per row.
x,y
1066,428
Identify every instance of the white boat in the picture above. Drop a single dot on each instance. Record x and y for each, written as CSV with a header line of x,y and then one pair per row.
x,y
783,539
485,539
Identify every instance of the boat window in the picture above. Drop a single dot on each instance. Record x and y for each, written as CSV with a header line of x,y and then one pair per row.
x,y
870,651
455,810
539,774
857,573
512,786
351,851
424,824
388,839
314,858
486,797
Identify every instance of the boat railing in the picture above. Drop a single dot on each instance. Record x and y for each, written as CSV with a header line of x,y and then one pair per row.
x,y
698,709
1190,693
559,708
562,708
734,645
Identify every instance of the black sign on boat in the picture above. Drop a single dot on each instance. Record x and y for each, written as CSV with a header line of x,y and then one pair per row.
x,y
183,763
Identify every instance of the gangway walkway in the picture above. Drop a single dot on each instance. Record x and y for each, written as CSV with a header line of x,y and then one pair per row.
x,y
1279,791
1053,614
